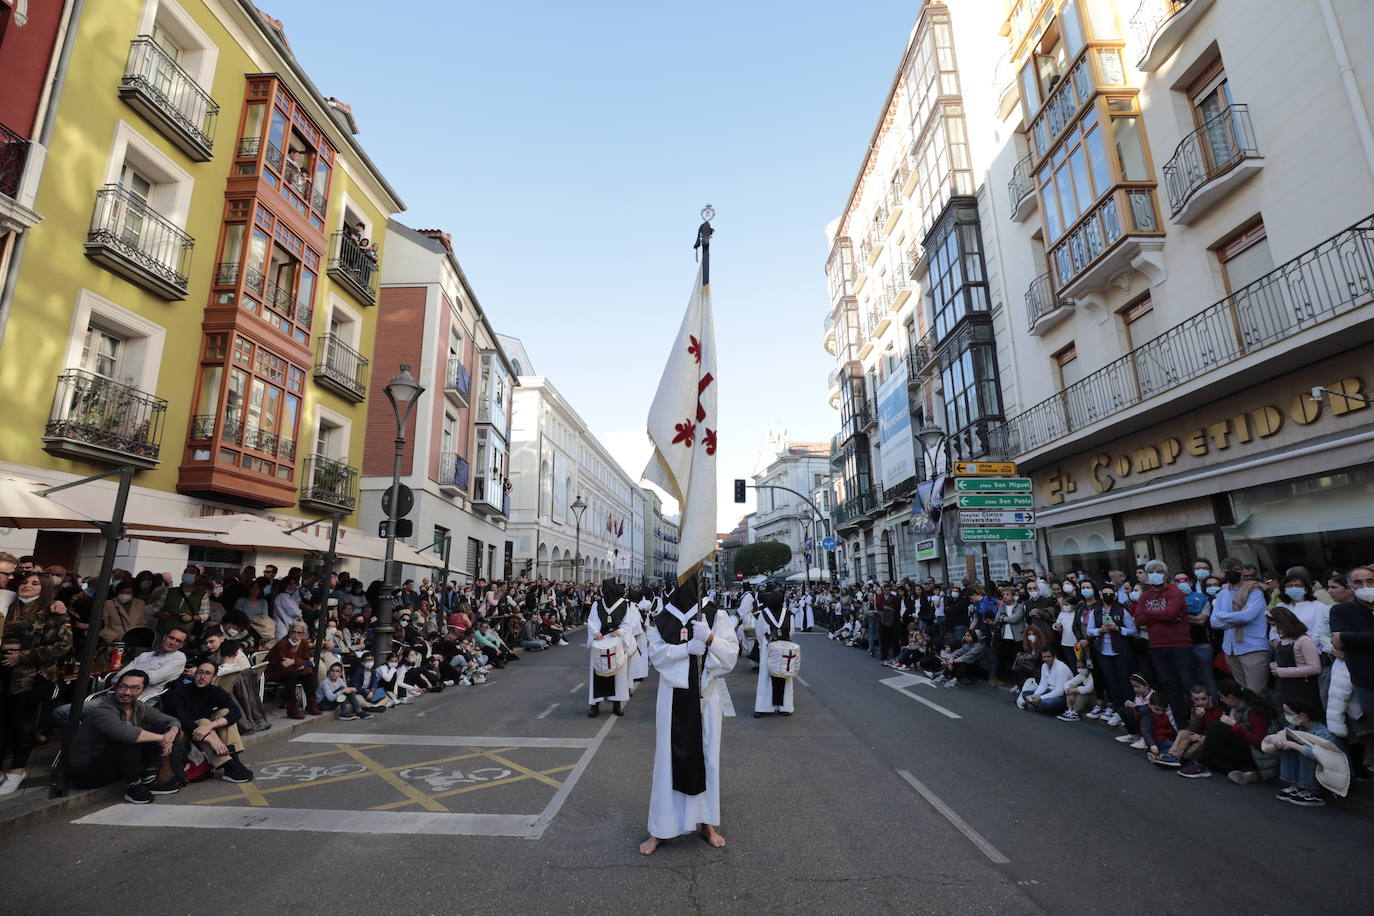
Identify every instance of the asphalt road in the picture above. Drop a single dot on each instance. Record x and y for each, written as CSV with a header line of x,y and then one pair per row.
x,y
865,800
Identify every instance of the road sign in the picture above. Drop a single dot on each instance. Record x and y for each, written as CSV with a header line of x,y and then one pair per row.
x,y
973,535
995,500
406,501
992,485
827,543
985,468
404,528
978,518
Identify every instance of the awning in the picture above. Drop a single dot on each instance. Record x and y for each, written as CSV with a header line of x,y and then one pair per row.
x,y
817,575
79,509
22,507
246,532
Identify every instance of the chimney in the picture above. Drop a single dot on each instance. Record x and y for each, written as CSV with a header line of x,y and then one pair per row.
x,y
342,113
276,26
440,236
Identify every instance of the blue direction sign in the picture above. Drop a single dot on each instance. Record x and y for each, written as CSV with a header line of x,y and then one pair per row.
x,y
827,543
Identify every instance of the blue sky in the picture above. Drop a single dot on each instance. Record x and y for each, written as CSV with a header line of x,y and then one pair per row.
x,y
569,148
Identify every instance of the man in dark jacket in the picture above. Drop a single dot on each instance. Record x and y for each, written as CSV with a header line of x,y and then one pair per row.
x,y
122,740
208,717
1352,634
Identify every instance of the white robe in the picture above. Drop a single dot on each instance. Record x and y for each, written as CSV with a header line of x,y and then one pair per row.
x,y
639,665
621,692
763,691
807,619
747,614
670,812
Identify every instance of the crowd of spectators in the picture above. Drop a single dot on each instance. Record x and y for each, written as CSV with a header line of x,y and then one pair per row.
x,y
1258,675
185,664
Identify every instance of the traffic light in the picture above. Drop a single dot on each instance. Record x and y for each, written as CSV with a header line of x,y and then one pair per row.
x,y
739,490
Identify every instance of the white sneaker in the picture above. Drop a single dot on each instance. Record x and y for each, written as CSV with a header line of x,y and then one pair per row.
x,y
1095,713
562,642
1127,739
1114,720
1020,702
11,783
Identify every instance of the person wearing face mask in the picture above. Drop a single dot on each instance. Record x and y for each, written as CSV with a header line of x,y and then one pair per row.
x,y
1163,609
366,682
1341,706
1308,755
1198,603
1110,630
1238,609
185,606
1041,607
38,637
1352,633
123,612
1297,660
290,664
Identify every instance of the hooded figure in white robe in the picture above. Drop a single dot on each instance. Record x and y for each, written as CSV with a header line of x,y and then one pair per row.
x,y
693,649
608,617
773,621
639,610
747,612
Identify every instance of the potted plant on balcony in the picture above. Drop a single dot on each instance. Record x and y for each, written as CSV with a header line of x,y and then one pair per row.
x,y
328,482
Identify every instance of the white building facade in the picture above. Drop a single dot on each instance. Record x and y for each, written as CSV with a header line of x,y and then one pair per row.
x,y
783,516
555,461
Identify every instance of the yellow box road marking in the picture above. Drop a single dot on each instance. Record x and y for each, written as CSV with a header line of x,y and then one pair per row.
x,y
396,782
481,785
263,763
493,755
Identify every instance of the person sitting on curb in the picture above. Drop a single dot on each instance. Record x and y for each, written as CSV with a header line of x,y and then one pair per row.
x,y
122,740
1189,740
208,717
1299,747
1079,692
335,693
1046,695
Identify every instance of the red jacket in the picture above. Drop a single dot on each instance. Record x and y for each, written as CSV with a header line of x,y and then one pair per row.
x,y
301,653
1164,611
1163,733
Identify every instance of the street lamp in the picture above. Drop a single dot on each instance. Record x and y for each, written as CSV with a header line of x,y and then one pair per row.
x,y
578,507
402,391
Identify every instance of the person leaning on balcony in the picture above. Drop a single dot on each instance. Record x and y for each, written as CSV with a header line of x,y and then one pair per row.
x,y
185,606
123,612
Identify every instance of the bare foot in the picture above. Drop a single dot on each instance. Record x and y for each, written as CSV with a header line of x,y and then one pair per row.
x,y
712,836
648,846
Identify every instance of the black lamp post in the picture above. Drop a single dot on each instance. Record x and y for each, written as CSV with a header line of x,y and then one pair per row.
x,y
402,391
578,507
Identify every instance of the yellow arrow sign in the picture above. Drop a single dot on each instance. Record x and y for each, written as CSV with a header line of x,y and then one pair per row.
x,y
985,468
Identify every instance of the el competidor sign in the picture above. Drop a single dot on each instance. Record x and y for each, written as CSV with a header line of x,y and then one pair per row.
x,y
1282,417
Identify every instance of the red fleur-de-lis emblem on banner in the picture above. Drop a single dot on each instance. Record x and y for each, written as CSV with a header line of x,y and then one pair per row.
x,y
709,440
702,385
686,433
694,348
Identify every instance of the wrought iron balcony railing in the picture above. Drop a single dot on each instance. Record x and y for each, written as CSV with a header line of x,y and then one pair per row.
x,y
1022,183
130,237
167,95
458,378
1150,16
94,416
354,267
14,152
342,368
1211,150
1041,299
329,484
1330,279
453,470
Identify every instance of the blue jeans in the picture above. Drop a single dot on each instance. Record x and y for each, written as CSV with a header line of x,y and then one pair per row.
x,y
1202,669
1050,706
872,634
1297,769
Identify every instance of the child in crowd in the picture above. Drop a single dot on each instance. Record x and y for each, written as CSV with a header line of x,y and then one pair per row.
x,y
1079,692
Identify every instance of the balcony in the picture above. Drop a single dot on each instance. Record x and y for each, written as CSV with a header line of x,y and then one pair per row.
x,y
20,164
453,472
458,381
1159,27
1120,231
849,513
489,496
898,288
14,152
1044,309
1096,65
828,335
341,369
1021,187
1211,162
1324,282
832,387
869,418
329,485
135,241
353,268
156,87
94,418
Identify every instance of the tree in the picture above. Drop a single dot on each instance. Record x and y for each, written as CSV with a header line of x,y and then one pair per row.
x,y
762,557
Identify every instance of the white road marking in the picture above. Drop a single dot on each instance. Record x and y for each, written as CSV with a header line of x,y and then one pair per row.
x,y
902,682
542,822
547,711
802,681
322,821
580,685
974,837
439,740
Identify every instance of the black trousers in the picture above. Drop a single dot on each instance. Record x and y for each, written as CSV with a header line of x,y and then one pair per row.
x,y
18,718
1223,749
119,763
888,641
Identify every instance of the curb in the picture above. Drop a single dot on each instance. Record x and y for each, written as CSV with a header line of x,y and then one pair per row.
x,y
36,807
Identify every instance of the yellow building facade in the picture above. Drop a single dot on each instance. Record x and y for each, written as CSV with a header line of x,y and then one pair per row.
x,y
199,300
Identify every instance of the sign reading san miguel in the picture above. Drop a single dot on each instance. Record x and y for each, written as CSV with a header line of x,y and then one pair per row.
x,y
1247,428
